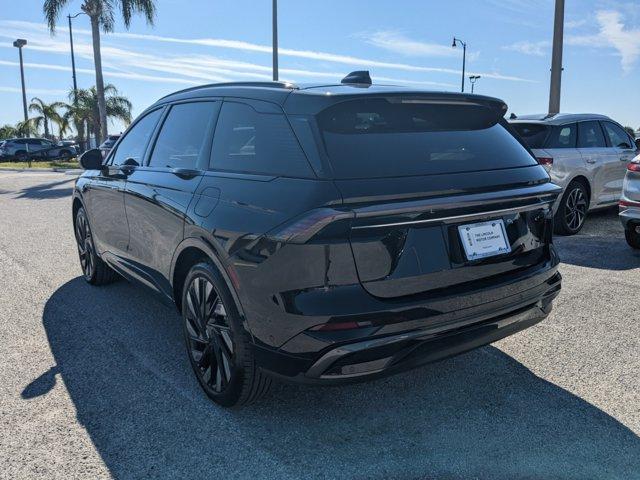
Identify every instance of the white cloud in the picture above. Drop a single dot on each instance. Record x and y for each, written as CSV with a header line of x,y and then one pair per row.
x,y
570,24
397,43
538,49
34,91
169,63
625,40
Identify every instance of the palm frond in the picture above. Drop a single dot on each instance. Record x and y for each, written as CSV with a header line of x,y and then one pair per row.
x,y
52,9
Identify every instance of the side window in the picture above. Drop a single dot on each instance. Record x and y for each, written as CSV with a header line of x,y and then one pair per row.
x,y
136,139
563,136
252,142
617,136
590,135
183,134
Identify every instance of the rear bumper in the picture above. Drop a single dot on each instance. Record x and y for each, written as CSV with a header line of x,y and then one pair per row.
x,y
629,215
377,356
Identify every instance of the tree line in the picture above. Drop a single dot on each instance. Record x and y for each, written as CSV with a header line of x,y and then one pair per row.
x,y
81,114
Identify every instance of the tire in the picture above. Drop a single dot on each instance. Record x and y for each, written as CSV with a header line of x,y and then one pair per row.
x,y
572,211
94,270
632,236
218,346
20,155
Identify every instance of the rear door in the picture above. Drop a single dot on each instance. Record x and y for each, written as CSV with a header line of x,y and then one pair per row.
x,y
158,193
430,185
623,149
602,163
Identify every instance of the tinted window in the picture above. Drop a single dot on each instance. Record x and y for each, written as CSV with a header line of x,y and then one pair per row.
x,y
563,136
135,141
33,141
590,135
377,138
617,136
183,134
533,134
254,142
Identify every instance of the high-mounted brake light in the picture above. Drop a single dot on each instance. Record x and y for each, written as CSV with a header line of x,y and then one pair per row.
x,y
633,167
545,160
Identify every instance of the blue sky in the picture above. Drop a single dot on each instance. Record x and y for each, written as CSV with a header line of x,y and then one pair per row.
x,y
403,42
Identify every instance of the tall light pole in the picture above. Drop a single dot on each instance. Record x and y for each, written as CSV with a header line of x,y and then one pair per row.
x,y
556,58
274,29
473,79
73,58
464,56
19,43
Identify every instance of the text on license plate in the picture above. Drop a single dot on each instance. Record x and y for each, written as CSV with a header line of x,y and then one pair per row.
x,y
484,239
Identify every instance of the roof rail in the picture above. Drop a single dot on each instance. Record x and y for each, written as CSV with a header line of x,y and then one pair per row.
x,y
288,85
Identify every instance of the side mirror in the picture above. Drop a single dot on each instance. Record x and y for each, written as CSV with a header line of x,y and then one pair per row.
x,y
91,159
638,143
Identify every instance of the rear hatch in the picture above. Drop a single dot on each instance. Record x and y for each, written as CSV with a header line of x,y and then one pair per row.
x,y
445,197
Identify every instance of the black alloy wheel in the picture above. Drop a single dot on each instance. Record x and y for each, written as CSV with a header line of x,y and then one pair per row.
x,y
219,349
95,271
209,338
86,251
632,236
572,211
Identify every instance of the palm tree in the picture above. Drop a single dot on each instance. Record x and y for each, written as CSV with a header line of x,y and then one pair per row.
x,y
8,131
47,114
102,15
27,128
83,109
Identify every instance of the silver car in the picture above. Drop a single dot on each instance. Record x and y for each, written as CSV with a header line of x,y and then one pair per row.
x,y
585,154
630,203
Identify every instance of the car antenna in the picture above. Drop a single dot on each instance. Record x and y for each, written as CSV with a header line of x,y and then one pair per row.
x,y
359,77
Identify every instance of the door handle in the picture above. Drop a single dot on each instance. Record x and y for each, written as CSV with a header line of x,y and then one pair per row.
x,y
185,172
591,160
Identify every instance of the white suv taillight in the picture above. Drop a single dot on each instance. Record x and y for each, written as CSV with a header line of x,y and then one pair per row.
x,y
545,161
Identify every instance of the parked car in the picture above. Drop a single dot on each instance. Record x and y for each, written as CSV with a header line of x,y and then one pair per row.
x,y
106,146
585,154
324,234
630,203
37,148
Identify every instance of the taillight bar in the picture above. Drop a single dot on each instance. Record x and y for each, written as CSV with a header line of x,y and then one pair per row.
x,y
628,203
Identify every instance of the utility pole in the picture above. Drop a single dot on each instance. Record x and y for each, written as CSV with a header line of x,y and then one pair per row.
x,y
73,60
556,59
19,43
274,29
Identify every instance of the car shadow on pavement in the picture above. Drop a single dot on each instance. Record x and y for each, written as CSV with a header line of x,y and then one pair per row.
x,y
479,415
601,244
50,190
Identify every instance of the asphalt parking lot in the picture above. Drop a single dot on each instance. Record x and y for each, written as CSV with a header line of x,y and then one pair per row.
x,y
95,383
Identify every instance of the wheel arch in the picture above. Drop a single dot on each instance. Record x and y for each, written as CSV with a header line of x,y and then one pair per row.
x,y
194,250
585,183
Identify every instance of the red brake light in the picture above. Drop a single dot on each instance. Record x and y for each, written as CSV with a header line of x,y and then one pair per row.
x,y
633,167
545,160
627,203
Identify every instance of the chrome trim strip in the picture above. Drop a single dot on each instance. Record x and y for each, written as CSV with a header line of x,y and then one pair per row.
x,y
457,218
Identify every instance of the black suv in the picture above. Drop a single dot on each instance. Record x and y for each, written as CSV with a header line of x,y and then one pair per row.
x,y
323,234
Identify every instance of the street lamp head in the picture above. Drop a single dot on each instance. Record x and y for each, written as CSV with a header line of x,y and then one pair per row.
x,y
19,43
454,42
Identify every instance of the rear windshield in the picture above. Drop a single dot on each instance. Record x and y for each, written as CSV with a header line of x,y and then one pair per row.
x,y
379,137
533,134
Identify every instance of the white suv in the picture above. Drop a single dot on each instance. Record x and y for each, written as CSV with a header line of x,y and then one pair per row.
x,y
585,154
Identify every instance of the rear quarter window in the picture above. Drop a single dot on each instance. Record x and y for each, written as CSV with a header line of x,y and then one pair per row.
x,y
376,137
533,134
248,141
